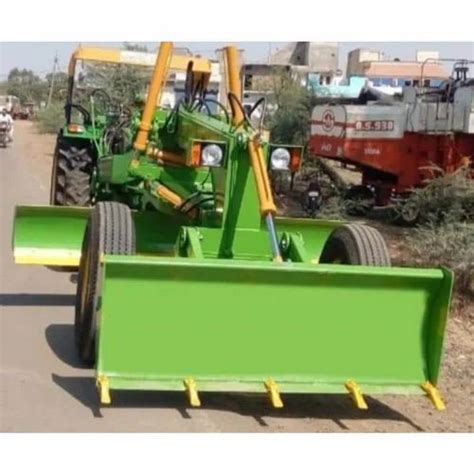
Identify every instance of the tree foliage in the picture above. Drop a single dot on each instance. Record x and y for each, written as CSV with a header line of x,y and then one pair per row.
x,y
26,85
291,121
122,82
29,87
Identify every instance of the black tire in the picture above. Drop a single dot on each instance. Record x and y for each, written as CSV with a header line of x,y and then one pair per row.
x,y
356,244
408,214
359,200
110,230
71,175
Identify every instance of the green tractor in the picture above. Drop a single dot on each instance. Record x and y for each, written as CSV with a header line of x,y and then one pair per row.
x,y
95,125
188,280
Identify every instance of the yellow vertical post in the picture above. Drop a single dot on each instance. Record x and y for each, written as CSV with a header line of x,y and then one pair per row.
x,y
234,84
267,205
156,85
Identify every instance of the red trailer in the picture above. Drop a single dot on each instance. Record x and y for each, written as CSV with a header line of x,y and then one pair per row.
x,y
396,145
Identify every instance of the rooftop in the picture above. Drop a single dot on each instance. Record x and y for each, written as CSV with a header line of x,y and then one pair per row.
x,y
404,69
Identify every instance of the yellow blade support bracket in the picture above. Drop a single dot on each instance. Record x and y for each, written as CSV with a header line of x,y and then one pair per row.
x,y
104,389
356,395
274,393
191,390
434,395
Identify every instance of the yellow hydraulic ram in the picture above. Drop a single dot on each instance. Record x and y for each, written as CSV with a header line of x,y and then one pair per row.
x,y
264,190
159,76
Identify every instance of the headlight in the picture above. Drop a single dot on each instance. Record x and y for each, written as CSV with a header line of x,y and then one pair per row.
x,y
75,128
280,159
211,155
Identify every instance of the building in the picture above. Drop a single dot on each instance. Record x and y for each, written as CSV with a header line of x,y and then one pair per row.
x,y
391,75
301,61
313,57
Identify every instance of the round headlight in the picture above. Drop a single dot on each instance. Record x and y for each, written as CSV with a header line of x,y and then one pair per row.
x,y
211,155
280,159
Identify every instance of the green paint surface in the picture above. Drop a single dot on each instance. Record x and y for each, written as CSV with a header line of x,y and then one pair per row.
x,y
236,324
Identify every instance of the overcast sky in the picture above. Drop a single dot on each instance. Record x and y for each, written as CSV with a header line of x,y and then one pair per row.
x,y
39,56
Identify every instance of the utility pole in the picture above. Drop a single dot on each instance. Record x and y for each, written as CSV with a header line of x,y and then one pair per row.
x,y
269,56
53,75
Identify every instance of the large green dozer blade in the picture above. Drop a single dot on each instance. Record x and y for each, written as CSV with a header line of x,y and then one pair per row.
x,y
232,326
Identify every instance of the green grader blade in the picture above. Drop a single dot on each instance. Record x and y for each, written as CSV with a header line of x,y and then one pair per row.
x,y
47,235
184,324
52,235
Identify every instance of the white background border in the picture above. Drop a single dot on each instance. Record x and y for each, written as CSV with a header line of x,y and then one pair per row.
x,y
243,20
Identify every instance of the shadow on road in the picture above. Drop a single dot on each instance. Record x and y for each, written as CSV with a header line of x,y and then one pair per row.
x,y
60,338
319,407
336,408
36,299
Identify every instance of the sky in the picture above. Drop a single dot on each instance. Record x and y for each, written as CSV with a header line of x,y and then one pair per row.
x,y
39,56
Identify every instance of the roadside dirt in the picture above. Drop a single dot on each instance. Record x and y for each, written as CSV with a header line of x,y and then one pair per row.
x,y
335,414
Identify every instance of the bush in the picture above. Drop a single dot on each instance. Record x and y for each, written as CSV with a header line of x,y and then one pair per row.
x,y
446,233
333,208
447,198
51,119
450,244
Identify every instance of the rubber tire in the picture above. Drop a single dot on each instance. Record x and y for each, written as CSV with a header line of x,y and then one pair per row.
x,y
357,193
110,230
401,218
71,175
356,244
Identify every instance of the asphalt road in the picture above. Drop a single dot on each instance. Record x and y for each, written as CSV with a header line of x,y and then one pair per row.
x,y
43,387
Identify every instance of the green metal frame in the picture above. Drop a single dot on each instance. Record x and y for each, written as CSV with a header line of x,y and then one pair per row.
x,y
309,327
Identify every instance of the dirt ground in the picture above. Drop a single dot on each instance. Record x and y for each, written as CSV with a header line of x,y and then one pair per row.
x,y
387,413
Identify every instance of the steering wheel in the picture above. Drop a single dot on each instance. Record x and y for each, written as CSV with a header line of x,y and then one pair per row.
x,y
104,98
83,111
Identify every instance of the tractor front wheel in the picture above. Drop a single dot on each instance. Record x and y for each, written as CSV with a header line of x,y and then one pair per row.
x,y
110,230
356,244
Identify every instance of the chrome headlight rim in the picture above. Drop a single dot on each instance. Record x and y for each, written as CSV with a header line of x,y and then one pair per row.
x,y
280,159
212,155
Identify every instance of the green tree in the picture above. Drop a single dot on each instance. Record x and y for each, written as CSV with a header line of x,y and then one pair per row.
x,y
290,123
122,82
26,85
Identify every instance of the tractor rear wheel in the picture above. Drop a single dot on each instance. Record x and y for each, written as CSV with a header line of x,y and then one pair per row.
x,y
356,244
110,230
71,175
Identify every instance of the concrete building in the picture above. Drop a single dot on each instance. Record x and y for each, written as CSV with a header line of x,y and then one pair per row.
x,y
391,75
317,56
298,60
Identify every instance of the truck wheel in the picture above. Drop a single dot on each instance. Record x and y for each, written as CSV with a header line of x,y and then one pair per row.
x,y
408,214
110,230
71,175
359,200
356,244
